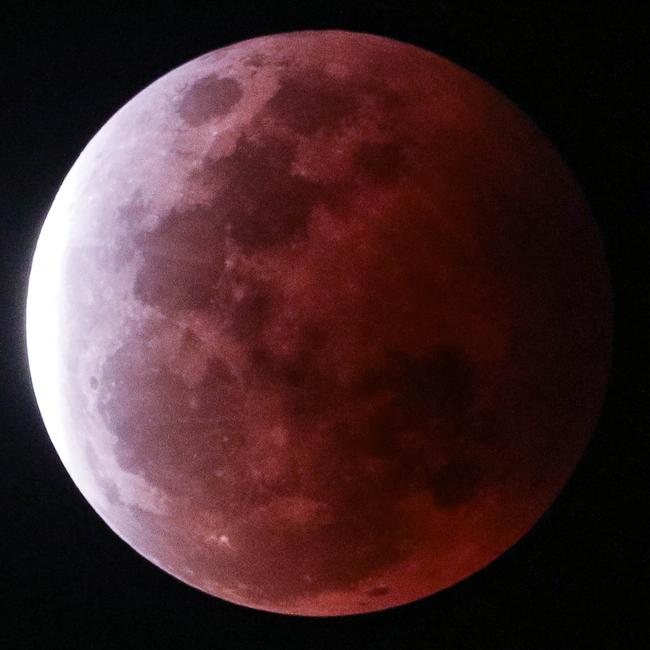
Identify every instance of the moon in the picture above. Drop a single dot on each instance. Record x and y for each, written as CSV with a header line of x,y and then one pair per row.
x,y
319,323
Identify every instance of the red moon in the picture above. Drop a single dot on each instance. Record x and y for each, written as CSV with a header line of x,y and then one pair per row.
x,y
319,323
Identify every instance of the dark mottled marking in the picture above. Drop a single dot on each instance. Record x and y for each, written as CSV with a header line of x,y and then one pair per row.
x,y
147,407
310,100
93,383
208,98
172,287
189,341
455,484
308,393
298,371
245,318
262,204
243,303
442,381
303,366
168,283
376,84
190,231
133,210
378,591
183,260
256,60
438,384
485,427
381,161
416,400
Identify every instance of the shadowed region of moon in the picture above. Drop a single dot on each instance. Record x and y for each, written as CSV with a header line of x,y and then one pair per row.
x,y
253,178
310,100
319,323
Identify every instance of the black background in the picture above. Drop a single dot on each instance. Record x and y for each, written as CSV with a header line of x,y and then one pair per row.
x,y
578,579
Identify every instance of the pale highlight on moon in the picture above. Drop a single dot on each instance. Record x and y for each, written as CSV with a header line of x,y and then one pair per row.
x,y
319,323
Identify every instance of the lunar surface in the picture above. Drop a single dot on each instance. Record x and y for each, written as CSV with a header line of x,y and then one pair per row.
x,y
319,323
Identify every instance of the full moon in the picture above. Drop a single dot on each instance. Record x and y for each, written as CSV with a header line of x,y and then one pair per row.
x,y
319,323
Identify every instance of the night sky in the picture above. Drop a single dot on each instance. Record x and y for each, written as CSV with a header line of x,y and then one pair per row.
x,y
579,578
